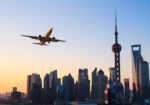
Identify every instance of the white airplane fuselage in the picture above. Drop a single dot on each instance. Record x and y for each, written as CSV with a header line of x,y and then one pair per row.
x,y
46,35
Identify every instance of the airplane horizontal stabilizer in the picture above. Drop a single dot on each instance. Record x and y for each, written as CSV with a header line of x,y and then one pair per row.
x,y
40,44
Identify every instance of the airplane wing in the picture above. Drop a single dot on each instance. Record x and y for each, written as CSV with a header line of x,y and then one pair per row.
x,y
57,40
40,44
32,37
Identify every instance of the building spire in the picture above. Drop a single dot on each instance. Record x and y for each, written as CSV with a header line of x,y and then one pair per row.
x,y
116,32
115,20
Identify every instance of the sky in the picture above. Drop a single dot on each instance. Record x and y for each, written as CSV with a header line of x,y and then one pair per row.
x,y
86,25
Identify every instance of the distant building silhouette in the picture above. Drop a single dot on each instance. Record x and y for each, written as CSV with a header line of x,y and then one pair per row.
x,y
99,83
126,89
60,98
58,82
112,74
46,81
28,84
53,84
36,87
46,91
102,83
68,84
76,91
94,92
15,95
83,85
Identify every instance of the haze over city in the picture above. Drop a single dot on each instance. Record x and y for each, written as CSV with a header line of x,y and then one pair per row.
x,y
87,26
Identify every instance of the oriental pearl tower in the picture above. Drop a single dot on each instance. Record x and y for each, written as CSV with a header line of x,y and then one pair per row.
x,y
116,48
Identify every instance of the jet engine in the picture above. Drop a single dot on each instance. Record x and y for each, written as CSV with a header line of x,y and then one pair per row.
x,y
53,38
40,37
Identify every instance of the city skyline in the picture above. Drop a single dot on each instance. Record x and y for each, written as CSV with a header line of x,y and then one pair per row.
x,y
88,28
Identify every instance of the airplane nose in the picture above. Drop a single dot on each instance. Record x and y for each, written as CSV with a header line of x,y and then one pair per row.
x,y
51,29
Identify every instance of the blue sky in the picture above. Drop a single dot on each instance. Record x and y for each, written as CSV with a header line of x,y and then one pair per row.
x,y
86,25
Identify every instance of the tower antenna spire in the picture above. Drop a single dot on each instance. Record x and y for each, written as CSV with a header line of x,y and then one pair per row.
x,y
115,20
116,32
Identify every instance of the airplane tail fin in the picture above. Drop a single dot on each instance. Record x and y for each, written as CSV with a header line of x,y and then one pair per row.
x,y
40,44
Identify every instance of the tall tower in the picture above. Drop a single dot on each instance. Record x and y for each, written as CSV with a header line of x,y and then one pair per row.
x,y
136,52
140,74
116,48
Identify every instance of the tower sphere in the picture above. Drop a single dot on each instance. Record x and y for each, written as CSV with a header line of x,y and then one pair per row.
x,y
116,48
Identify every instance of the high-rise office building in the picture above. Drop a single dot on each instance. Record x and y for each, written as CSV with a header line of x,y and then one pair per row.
x,y
140,74
36,79
94,85
126,89
102,83
58,82
46,81
83,85
53,79
53,84
28,84
99,83
46,91
36,87
60,99
112,74
136,52
68,84
144,79
76,90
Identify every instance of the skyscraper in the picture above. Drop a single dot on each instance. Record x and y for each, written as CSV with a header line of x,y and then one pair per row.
x,y
140,74
58,82
136,52
112,74
35,90
46,81
83,85
53,83
102,83
99,83
60,96
46,92
68,84
35,80
126,89
144,79
28,84
76,90
94,85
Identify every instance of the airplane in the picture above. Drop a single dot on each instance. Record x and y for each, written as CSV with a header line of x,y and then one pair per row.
x,y
45,38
